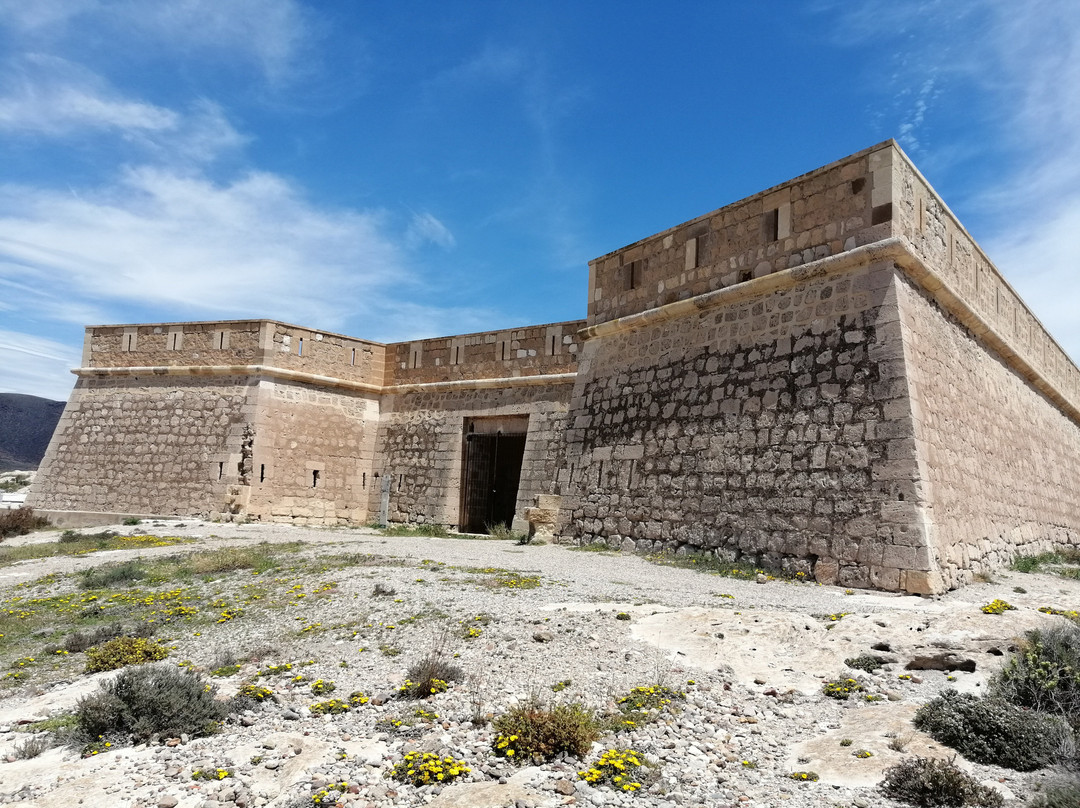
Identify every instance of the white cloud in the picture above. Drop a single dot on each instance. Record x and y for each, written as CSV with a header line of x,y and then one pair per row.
x,y
425,227
157,238
51,97
46,95
272,35
36,366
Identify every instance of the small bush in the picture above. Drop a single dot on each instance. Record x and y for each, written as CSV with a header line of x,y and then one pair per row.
x,y
1045,674
997,606
149,700
329,707
531,733
81,640
429,676
121,652
842,689
132,520
866,662
74,536
20,521
422,769
1065,795
992,731
383,591
112,575
32,747
931,783
622,769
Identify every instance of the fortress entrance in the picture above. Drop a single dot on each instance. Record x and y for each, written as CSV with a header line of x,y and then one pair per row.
x,y
492,456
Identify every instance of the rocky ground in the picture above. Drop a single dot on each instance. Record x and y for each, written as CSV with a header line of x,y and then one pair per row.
x,y
357,608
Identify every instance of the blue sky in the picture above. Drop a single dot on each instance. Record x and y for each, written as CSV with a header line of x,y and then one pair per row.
x,y
394,170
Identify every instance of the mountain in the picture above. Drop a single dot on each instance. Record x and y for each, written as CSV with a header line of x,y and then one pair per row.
x,y
26,424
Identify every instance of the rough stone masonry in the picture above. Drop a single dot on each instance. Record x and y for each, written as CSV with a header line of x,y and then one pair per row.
x,y
829,376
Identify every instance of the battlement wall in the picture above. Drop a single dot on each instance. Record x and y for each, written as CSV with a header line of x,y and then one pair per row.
x,y
841,206
530,351
231,343
961,270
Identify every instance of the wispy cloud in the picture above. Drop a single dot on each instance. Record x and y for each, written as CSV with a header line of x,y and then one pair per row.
x,y
36,366
168,241
425,227
1015,71
45,95
271,35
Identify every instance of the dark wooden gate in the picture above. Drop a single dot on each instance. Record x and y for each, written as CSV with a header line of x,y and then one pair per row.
x,y
492,474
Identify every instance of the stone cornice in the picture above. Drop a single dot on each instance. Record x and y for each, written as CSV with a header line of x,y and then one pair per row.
x,y
285,374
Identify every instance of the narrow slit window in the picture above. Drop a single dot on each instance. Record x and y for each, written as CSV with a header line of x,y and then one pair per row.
x,y
633,274
221,340
552,344
262,472
363,480
457,355
353,360
300,347
770,225
503,344
175,340
314,478
220,470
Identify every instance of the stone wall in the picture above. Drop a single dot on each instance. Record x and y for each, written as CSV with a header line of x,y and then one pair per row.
x,y
1000,460
322,353
421,436
311,454
535,350
146,445
229,342
775,426
838,207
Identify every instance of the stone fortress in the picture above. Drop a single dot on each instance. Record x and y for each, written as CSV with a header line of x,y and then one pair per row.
x,y
828,376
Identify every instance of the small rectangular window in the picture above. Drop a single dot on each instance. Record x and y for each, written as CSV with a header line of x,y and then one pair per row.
x,y
633,274
300,347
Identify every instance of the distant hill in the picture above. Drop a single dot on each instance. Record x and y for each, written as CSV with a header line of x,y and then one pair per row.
x,y
26,424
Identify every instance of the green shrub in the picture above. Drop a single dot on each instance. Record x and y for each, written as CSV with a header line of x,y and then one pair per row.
x,y
531,733
930,783
121,652
992,731
866,662
1045,674
111,575
20,521
424,531
1064,795
149,700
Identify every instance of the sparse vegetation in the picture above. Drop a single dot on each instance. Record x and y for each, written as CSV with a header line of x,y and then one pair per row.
x,y
532,733
866,662
993,731
20,521
424,531
121,652
930,783
1044,674
150,700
